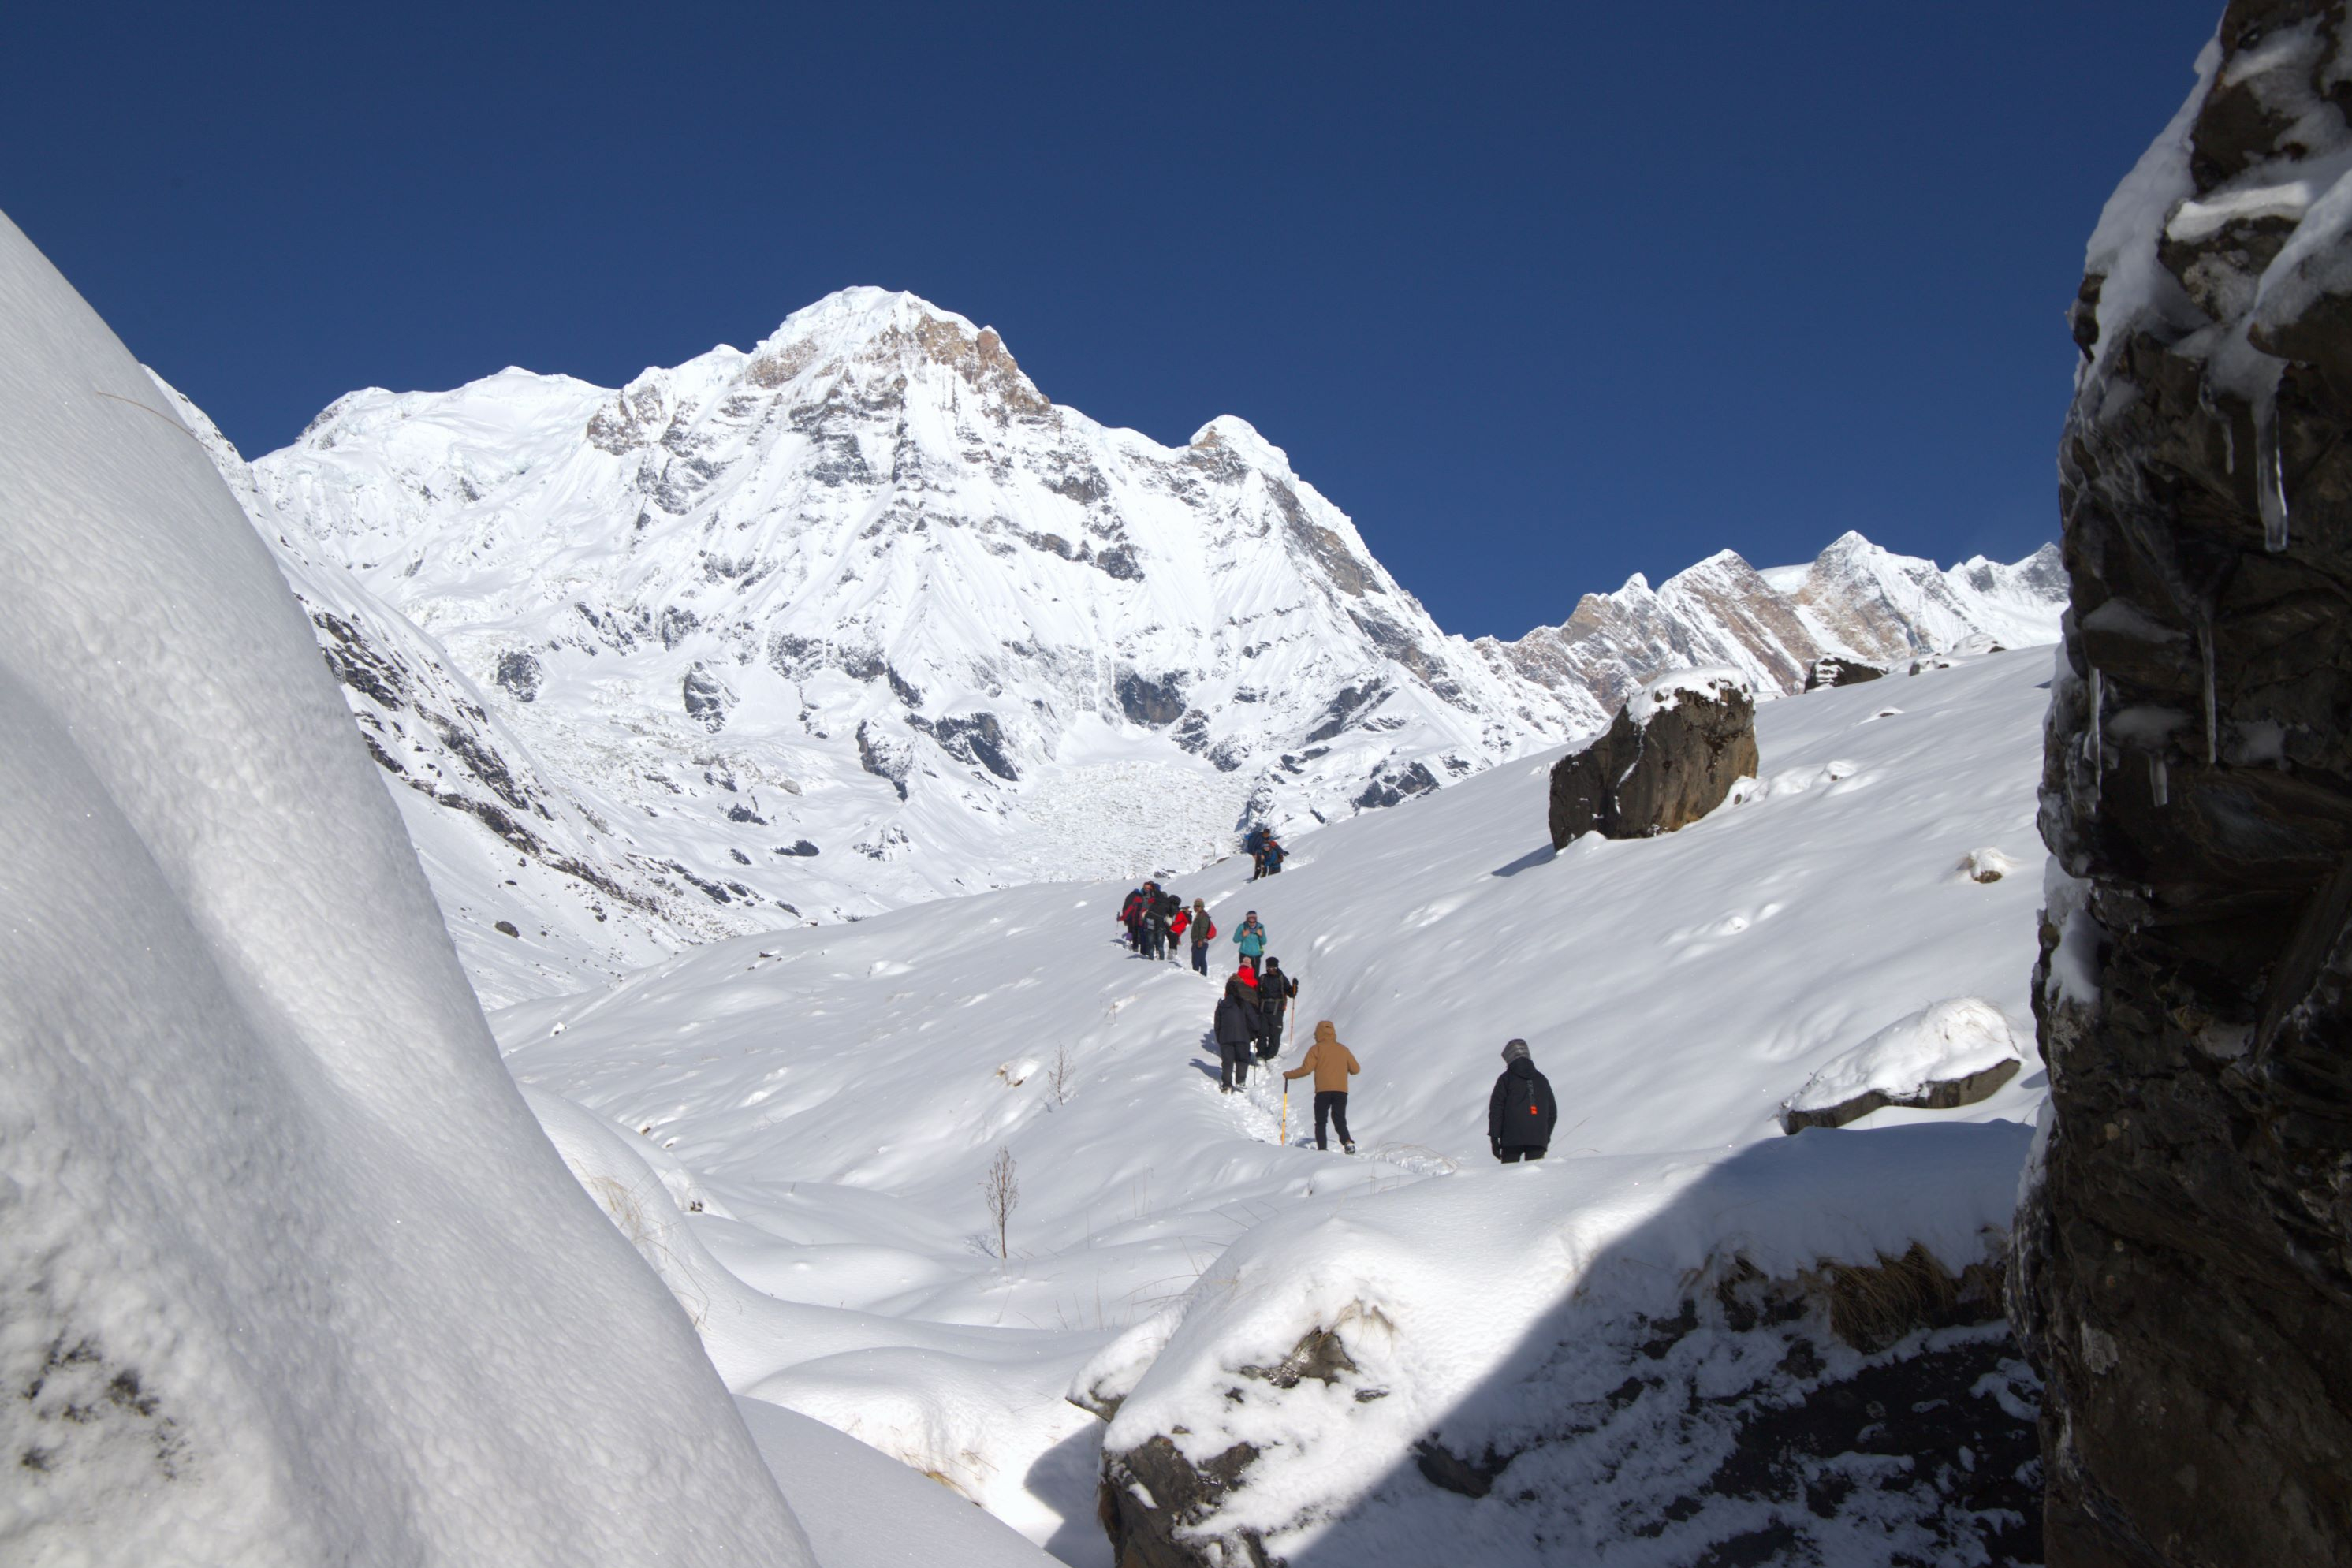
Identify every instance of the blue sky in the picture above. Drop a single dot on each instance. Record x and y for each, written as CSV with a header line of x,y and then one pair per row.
x,y
1542,296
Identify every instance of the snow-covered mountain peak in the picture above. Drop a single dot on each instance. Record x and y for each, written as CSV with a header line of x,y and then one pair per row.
x,y
862,589
857,617
1234,434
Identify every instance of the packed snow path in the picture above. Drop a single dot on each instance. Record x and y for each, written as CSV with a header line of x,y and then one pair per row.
x,y
831,1097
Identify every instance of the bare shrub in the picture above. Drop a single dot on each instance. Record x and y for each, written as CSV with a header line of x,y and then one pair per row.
x,y
1001,1187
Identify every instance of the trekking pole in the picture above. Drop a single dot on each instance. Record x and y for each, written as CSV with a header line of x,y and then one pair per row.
x,y
1286,1113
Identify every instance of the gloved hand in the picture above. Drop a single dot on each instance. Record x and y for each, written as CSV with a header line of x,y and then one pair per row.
x,y
1496,1145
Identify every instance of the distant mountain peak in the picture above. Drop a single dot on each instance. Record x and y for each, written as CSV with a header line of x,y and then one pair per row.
x,y
1855,599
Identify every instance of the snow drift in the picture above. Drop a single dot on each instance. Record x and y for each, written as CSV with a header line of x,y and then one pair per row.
x,y
290,1274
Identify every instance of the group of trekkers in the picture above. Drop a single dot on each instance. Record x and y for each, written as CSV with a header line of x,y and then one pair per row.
x,y
1158,923
1256,1007
1266,851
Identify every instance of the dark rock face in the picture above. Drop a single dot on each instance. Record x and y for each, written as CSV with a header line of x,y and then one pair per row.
x,y
1829,670
976,739
1641,779
706,697
519,674
1144,1537
1152,704
885,755
2186,1256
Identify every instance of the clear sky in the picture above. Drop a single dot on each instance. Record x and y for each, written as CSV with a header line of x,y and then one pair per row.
x,y
1541,295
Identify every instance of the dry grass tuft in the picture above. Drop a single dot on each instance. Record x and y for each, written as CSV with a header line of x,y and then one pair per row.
x,y
1872,1306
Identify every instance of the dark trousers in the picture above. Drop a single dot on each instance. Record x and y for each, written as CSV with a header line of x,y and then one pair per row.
x,y
1155,942
1234,1060
1200,958
1513,1157
1331,1105
1269,1039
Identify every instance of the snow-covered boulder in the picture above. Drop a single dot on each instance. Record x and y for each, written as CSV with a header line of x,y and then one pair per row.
x,y
1672,756
288,1274
1955,1053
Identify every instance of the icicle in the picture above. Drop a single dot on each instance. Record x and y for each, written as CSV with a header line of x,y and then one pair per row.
x,y
2158,783
2270,472
2091,743
2205,647
2097,760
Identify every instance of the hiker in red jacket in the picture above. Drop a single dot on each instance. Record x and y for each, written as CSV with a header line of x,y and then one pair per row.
x,y
1130,914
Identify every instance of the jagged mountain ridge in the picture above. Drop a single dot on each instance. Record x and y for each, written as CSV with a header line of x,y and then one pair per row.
x,y
1855,599
859,618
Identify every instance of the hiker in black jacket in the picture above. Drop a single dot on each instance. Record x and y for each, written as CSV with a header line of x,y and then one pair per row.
x,y
1520,1112
1155,924
1275,990
1236,1027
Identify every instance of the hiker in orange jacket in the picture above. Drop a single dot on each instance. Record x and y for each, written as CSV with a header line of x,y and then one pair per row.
x,y
1332,1064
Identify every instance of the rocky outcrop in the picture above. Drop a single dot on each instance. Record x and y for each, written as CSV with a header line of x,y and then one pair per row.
x,y
1671,756
1832,670
2186,1252
1889,1391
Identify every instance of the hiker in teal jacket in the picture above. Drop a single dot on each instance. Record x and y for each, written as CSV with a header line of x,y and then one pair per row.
x,y
1251,939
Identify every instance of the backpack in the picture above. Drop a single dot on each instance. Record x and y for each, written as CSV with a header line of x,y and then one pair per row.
x,y
1206,931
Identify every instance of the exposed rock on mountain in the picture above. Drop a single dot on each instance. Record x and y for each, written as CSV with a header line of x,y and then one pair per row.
x,y
1829,670
2187,1252
1856,602
1669,758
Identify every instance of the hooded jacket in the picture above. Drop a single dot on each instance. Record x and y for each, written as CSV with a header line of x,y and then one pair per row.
x,y
1236,1023
1331,1062
1521,1112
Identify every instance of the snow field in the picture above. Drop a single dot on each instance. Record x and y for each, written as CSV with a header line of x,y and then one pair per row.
x,y
288,1274
839,1092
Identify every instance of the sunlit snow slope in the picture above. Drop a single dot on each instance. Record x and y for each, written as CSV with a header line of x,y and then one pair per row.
x,y
831,1097
288,1273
